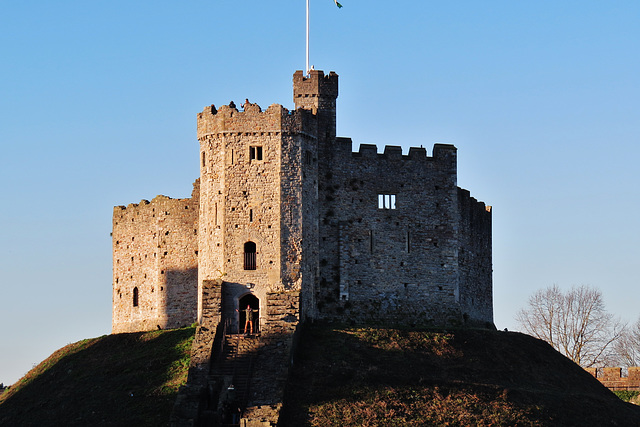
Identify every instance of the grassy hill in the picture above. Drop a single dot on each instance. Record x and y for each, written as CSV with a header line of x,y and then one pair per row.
x,y
389,377
115,380
343,376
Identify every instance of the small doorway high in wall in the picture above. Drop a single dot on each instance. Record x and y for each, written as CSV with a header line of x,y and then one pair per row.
x,y
248,306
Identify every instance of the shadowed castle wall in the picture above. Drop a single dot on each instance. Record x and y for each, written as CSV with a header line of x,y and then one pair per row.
x,y
397,263
475,259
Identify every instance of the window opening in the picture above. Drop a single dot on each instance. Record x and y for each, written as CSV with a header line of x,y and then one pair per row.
x,y
255,153
204,156
249,256
250,215
386,201
135,296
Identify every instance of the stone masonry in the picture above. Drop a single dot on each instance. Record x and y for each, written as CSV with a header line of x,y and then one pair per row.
x,y
286,219
612,378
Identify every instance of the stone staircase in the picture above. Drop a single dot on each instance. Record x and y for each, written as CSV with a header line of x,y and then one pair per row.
x,y
232,374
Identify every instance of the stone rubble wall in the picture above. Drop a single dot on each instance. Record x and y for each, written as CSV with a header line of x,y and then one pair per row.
x,y
612,378
155,250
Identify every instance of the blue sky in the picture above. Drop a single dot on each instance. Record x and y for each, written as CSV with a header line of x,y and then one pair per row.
x,y
98,104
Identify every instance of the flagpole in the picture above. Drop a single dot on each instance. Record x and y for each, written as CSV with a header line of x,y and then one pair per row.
x,y
307,69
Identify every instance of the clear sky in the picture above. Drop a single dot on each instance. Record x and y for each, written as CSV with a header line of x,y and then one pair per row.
x,y
98,104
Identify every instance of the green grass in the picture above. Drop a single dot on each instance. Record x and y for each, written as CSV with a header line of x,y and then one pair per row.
x,y
120,379
628,395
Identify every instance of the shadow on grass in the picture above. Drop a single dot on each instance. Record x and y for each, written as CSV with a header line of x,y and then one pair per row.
x,y
121,379
347,376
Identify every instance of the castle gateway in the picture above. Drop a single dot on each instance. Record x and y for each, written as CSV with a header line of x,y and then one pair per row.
x,y
285,219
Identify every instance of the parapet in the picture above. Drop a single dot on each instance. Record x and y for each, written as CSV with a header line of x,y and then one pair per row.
x,y
275,119
163,203
472,208
316,84
440,152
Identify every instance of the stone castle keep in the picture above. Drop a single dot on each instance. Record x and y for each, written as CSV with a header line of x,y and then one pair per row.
x,y
282,206
287,219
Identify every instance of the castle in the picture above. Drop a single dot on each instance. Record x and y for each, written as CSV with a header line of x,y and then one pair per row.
x,y
285,218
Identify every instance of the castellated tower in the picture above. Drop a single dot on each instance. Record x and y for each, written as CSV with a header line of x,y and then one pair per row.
x,y
257,230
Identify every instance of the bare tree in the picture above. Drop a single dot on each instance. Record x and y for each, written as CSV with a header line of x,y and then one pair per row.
x,y
575,323
627,348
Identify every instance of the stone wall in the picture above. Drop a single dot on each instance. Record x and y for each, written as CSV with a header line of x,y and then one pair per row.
x,y
253,186
612,378
475,260
273,359
155,255
393,221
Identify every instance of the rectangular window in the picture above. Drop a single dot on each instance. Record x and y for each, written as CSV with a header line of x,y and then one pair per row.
x,y
255,153
386,201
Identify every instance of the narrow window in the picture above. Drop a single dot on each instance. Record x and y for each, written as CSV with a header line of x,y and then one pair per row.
x,y
255,153
232,156
307,157
135,296
204,158
250,215
249,256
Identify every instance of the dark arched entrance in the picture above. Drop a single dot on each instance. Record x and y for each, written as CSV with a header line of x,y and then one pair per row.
x,y
248,300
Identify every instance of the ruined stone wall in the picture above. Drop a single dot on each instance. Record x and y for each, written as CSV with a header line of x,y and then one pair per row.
x,y
397,262
475,259
612,378
155,251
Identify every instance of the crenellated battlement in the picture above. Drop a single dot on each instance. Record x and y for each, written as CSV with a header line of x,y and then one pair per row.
x,y
253,121
315,84
394,152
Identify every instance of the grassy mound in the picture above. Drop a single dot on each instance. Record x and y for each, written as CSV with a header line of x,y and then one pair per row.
x,y
390,377
115,380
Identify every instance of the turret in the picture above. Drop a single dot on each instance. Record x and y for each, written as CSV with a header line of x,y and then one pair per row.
x,y
318,94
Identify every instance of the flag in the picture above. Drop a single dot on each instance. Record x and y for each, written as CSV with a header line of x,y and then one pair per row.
x,y
337,4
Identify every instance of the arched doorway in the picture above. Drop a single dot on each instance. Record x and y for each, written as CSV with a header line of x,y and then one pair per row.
x,y
248,300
